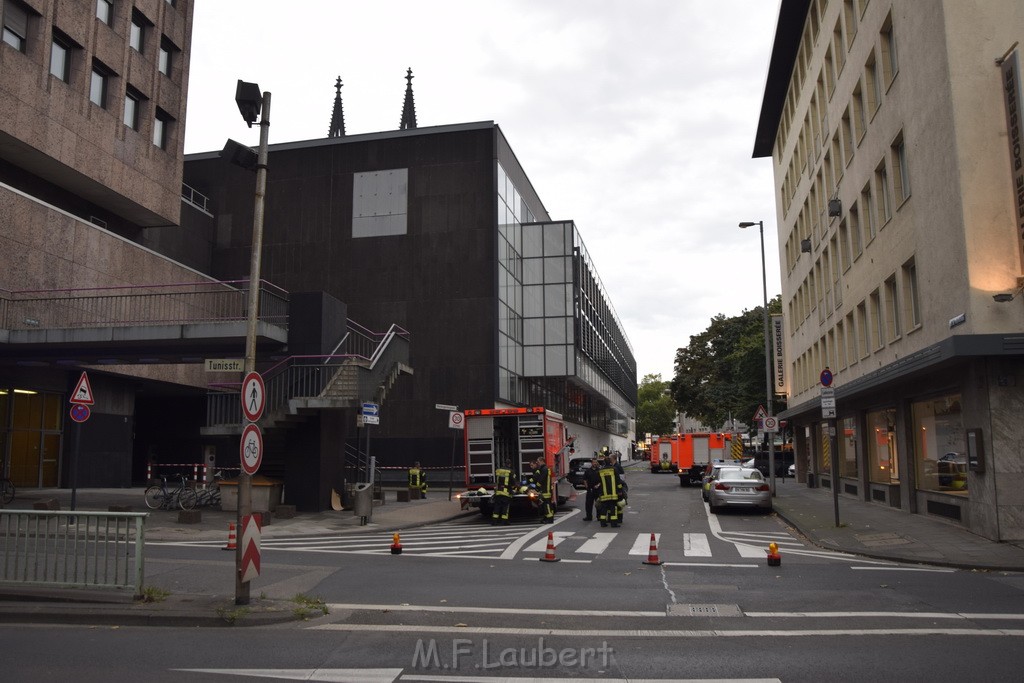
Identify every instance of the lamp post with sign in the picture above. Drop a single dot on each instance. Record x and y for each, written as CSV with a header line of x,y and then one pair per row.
x,y
252,103
828,414
457,424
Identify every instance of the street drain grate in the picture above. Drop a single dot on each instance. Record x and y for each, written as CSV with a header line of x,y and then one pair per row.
x,y
692,610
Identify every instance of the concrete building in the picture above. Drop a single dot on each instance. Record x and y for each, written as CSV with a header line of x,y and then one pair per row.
x,y
893,127
110,264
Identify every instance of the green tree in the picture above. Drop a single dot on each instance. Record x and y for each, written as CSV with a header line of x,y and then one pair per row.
x,y
655,409
720,374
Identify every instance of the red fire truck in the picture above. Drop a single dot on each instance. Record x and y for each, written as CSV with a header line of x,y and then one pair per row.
x,y
513,437
687,454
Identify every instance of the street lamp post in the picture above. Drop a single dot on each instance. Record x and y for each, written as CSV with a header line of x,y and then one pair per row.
x,y
767,356
250,103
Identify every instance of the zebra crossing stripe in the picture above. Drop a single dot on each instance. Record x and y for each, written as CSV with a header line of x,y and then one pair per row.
x,y
597,544
696,545
542,545
642,544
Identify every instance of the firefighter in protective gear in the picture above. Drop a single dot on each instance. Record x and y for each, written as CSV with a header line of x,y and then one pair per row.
x,y
417,481
504,487
541,478
611,492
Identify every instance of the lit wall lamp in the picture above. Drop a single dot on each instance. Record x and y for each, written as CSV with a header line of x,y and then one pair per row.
x,y
1003,297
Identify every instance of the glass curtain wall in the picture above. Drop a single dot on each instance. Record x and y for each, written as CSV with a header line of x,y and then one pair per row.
x,y
512,213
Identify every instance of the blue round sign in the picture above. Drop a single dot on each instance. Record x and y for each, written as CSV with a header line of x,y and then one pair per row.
x,y
826,378
80,413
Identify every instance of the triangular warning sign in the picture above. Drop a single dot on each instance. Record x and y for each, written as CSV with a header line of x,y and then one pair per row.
x,y
83,392
760,414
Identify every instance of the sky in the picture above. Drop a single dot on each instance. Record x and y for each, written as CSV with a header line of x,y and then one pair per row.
x,y
633,118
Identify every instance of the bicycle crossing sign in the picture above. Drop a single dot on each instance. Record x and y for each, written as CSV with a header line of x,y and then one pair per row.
x,y
251,449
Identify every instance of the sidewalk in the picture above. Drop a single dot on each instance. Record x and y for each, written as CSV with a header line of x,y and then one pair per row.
x,y
865,529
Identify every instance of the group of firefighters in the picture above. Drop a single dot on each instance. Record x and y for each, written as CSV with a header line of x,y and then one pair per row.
x,y
604,480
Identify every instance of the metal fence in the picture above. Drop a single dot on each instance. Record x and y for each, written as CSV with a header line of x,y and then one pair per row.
x,y
161,304
72,549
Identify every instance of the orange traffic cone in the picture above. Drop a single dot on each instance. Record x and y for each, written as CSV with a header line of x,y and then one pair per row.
x,y
774,559
549,554
652,554
396,545
232,545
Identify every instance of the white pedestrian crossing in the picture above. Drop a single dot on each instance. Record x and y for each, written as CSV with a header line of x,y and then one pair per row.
x,y
597,544
696,545
642,544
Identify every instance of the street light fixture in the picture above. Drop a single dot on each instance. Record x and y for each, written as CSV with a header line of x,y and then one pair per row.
x,y
767,355
250,104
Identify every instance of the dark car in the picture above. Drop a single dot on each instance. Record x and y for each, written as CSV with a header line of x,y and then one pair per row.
x,y
577,469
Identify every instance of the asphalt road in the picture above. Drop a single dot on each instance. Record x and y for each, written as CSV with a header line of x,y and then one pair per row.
x,y
467,601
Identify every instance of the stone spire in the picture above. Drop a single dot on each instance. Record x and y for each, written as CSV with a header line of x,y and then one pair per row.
x,y
409,108
338,115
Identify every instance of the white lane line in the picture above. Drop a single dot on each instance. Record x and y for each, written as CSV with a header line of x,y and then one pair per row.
x,y
709,564
598,543
560,559
696,545
670,633
472,609
642,544
749,551
938,570
327,675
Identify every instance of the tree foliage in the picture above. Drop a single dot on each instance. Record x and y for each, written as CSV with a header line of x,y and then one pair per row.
x,y
655,409
721,373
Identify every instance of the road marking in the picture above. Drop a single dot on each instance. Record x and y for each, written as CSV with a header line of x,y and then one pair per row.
x,y
542,545
670,633
642,544
696,545
886,615
598,543
329,675
511,551
940,570
709,564
470,609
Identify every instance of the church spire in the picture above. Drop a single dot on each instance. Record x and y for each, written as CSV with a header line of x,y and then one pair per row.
x,y
409,108
338,115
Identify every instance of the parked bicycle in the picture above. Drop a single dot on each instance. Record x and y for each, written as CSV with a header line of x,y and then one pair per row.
x,y
6,491
159,497
209,493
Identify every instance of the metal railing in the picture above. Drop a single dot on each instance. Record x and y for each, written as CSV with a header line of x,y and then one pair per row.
x,y
310,376
73,549
157,304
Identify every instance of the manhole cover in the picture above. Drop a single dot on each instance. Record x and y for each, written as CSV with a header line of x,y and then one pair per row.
x,y
691,610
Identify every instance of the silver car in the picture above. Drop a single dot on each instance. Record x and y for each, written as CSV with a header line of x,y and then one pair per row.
x,y
739,488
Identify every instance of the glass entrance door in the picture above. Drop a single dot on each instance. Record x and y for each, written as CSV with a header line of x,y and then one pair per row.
x,y
32,439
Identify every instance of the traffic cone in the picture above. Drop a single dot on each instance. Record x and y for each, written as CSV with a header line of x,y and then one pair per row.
x,y
549,554
652,554
774,559
396,546
232,545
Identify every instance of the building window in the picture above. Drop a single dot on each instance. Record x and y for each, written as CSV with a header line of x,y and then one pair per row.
x,y
161,128
60,57
164,61
851,340
844,245
858,112
877,321
132,106
15,31
890,62
851,23
883,463
873,89
98,86
940,449
867,203
882,190
911,296
137,33
856,241
901,171
847,137
862,330
105,11
846,439
892,308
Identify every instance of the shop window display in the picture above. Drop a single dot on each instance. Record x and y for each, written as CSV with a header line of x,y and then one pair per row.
x,y
940,449
883,460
